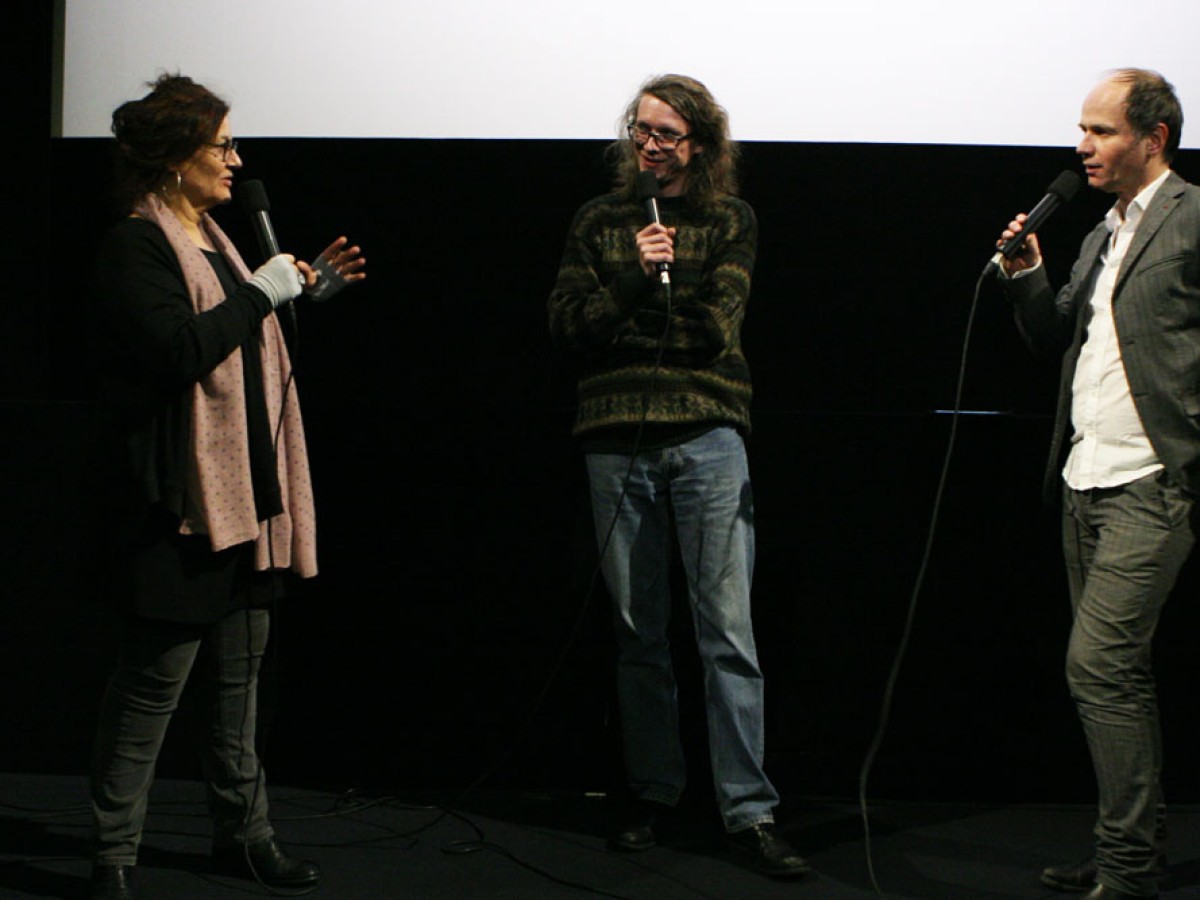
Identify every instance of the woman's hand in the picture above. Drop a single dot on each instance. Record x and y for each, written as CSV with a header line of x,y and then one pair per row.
x,y
307,273
281,278
337,267
346,262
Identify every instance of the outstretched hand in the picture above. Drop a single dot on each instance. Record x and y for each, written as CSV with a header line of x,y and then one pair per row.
x,y
347,262
338,266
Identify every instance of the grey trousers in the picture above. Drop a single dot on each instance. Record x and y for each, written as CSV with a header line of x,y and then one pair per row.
x,y
1124,548
154,662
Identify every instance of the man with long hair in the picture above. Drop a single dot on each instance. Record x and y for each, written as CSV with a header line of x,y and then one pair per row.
x,y
654,312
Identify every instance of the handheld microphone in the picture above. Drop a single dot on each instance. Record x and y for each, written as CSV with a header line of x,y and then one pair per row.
x,y
1062,190
253,198
648,192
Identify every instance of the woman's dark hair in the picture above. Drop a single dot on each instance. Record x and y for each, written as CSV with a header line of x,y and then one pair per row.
x,y
161,130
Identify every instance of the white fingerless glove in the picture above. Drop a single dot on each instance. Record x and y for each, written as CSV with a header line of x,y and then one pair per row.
x,y
279,279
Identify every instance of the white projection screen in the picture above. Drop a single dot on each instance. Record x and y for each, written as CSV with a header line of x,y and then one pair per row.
x,y
857,71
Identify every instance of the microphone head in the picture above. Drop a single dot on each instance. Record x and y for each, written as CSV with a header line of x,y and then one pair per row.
x,y
253,196
1065,186
647,186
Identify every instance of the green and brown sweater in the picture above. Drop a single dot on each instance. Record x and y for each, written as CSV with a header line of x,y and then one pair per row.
x,y
604,307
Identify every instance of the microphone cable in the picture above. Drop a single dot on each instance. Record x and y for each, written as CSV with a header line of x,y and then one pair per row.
x,y
480,843
1062,190
272,608
293,355
448,810
596,570
902,648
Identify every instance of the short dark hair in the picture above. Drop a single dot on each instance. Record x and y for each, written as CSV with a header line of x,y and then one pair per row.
x,y
1151,100
712,172
161,130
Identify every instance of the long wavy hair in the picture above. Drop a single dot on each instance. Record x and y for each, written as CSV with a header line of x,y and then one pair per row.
x,y
710,173
159,131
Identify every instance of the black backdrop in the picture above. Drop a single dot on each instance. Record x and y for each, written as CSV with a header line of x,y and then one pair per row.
x,y
455,547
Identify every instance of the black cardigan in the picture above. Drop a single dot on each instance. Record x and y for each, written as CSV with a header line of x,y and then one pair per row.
x,y
151,348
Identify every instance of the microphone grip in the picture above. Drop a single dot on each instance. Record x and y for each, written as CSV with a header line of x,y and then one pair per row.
x,y
268,245
1039,214
652,211
664,270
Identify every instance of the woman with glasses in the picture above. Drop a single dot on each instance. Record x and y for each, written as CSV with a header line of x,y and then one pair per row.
x,y
205,495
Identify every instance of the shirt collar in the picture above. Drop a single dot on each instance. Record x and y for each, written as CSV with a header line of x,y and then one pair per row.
x,y
1137,206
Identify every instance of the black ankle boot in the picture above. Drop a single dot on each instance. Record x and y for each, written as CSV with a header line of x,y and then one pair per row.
x,y
264,861
111,882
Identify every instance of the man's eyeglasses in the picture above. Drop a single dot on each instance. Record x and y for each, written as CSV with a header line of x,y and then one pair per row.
x,y
227,146
667,140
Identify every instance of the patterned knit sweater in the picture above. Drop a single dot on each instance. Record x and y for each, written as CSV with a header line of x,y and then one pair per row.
x,y
605,307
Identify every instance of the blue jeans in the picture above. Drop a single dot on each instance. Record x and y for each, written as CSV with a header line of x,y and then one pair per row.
x,y
154,662
1124,547
704,485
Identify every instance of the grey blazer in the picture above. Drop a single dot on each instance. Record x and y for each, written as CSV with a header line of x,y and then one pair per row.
x,y
1156,310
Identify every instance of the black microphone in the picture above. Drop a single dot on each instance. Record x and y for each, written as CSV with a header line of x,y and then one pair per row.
x,y
253,198
1062,190
648,192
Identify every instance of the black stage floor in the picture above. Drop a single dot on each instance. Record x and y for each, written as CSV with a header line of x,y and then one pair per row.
x,y
545,847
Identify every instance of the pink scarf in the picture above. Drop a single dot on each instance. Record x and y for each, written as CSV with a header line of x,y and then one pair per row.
x,y
220,493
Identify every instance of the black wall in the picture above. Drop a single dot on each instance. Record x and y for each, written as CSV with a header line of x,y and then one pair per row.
x,y
455,544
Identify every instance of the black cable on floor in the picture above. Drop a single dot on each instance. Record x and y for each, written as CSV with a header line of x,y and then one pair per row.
x,y
902,648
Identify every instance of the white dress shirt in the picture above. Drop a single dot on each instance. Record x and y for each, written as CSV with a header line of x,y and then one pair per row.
x,y
1109,447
